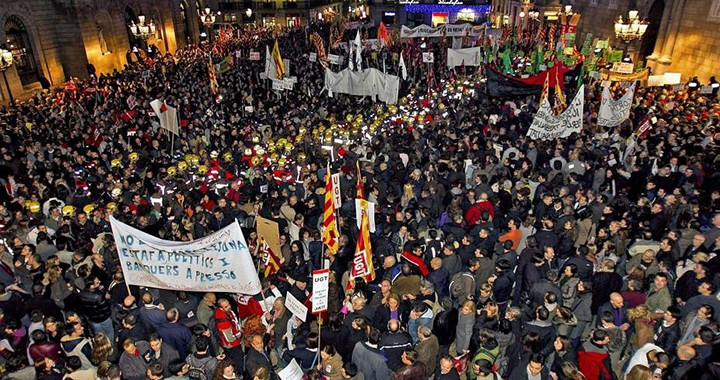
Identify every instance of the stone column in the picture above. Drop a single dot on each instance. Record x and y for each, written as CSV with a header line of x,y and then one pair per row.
x,y
664,23
669,45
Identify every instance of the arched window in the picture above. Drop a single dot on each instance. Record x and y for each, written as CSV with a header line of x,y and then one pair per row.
x,y
18,41
185,21
130,17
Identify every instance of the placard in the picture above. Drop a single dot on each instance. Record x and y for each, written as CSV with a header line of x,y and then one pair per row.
x,y
678,87
268,230
249,109
291,372
277,85
673,78
296,307
321,285
287,84
705,90
254,55
293,79
263,75
219,262
238,54
623,67
428,57
131,102
335,59
312,57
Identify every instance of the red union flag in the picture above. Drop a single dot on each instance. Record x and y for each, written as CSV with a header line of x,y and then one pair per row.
x,y
362,262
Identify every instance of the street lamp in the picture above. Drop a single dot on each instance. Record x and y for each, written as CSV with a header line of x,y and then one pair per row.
x,y
208,19
6,60
142,30
632,29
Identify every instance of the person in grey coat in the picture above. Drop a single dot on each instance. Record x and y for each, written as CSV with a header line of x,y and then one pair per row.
x,y
369,359
135,359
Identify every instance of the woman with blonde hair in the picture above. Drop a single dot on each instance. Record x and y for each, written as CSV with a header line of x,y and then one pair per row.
x,y
572,372
102,349
407,196
465,324
639,372
644,326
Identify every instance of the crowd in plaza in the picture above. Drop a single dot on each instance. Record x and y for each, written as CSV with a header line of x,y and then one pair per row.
x,y
495,256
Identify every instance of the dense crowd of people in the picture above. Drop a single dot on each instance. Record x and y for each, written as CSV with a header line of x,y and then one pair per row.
x,y
496,256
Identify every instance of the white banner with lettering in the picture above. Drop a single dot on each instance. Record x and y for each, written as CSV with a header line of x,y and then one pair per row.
x,y
449,30
368,82
613,112
548,126
220,262
469,56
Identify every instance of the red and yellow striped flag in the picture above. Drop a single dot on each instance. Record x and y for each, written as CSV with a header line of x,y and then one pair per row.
x,y
560,102
270,259
330,235
362,265
279,65
359,190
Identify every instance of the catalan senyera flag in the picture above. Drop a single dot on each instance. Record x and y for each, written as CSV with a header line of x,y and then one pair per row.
x,y
279,65
330,231
318,42
213,78
359,190
362,262
560,102
270,259
546,88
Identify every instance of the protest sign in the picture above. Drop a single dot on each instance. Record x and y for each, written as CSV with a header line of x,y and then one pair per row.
x,y
131,102
254,55
268,230
428,58
277,85
238,54
623,67
321,285
296,307
613,112
287,84
335,59
293,371
547,126
313,57
220,262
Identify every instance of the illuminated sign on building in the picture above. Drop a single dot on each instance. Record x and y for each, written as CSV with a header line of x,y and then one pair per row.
x,y
409,2
450,2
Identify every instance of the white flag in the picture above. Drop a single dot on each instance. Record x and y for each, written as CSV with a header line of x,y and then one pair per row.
x,y
270,70
358,50
403,68
351,65
167,115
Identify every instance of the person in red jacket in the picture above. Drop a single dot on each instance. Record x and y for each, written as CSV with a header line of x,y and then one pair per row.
x,y
474,213
594,359
229,328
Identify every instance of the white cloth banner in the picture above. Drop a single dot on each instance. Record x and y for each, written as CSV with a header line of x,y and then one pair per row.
x,y
369,82
547,126
369,207
449,30
469,56
220,262
613,112
167,115
270,70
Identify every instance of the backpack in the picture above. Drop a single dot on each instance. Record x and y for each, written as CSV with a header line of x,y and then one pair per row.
x,y
198,373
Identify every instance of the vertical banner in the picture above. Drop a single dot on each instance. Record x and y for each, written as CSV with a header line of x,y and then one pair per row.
x,y
337,195
321,285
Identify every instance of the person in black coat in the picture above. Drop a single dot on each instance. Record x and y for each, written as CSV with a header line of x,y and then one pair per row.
x,y
542,325
535,366
604,282
393,343
502,283
394,309
338,335
304,356
668,331
256,356
617,308
40,301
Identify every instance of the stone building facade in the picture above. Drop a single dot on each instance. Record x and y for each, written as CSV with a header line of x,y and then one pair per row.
x,y
53,40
